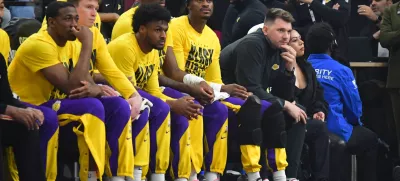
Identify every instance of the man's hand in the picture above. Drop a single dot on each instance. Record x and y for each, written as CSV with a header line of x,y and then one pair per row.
x,y
376,35
319,116
108,91
289,56
203,93
136,103
235,91
336,6
187,107
296,113
31,118
366,11
87,90
84,35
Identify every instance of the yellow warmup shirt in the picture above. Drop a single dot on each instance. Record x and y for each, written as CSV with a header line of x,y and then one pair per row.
x,y
102,62
196,53
124,25
4,45
38,52
141,67
97,22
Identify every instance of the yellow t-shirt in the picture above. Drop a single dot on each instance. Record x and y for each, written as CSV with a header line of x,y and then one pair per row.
x,y
39,51
97,21
4,45
196,53
141,67
102,62
124,25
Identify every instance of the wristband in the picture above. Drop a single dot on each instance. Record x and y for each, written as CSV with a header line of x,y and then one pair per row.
x,y
191,79
216,87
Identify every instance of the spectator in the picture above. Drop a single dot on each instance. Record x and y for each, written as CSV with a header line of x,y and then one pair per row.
x,y
258,63
238,22
374,14
27,11
109,12
6,18
4,40
334,12
309,93
390,38
345,108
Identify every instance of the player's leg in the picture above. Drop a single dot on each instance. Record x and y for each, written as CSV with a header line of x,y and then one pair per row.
x,y
247,114
274,140
186,143
119,137
141,137
26,148
48,141
160,136
88,117
216,139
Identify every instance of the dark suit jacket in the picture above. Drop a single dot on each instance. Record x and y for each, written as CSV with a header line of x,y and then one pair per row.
x,y
390,38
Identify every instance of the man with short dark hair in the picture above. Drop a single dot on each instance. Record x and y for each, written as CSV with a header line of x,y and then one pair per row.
x,y
263,63
140,63
345,108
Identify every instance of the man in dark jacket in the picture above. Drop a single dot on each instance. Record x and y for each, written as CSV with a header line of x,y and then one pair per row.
x,y
390,38
263,61
19,128
373,14
240,17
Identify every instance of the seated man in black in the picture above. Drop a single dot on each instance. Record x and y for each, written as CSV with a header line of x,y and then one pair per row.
x,y
264,64
19,128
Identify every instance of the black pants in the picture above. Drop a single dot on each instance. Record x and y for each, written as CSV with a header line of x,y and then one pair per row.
x,y
317,139
395,100
26,147
294,146
364,144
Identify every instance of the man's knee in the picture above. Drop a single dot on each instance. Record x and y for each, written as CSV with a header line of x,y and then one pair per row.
x,y
216,111
249,119
92,106
160,108
118,106
50,118
274,127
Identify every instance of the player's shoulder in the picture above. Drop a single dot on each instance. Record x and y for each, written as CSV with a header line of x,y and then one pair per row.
x,y
3,33
125,40
179,22
39,41
210,34
127,15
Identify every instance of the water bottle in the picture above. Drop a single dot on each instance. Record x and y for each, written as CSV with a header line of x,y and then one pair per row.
x,y
242,177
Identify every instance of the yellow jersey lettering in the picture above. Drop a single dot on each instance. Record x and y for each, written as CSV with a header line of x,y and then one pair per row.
x,y
199,59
